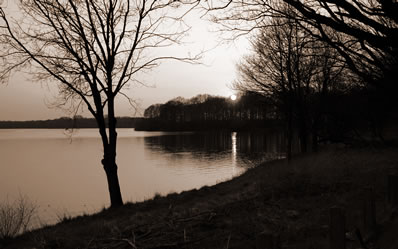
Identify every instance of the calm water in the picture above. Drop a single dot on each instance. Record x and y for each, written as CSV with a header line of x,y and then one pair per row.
x,y
63,175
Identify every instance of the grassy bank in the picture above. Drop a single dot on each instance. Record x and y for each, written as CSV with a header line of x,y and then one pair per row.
x,y
291,201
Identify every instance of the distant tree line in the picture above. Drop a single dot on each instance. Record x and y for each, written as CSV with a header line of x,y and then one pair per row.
x,y
205,112
67,123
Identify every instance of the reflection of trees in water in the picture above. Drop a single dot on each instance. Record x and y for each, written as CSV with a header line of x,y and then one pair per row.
x,y
254,147
251,147
211,142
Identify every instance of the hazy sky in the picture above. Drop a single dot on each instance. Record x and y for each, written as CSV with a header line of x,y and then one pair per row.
x,y
22,99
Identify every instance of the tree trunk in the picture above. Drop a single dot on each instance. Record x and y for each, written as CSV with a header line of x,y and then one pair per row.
x,y
302,129
289,131
110,168
315,140
315,132
109,160
303,139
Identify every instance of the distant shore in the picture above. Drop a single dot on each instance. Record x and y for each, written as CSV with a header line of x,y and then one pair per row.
x,y
66,123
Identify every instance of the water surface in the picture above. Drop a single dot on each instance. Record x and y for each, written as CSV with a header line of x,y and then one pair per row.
x,y
62,173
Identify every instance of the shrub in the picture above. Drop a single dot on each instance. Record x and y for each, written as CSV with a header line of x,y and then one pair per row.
x,y
15,217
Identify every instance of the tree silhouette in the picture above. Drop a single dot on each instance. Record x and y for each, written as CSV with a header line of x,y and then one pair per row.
x,y
93,49
281,68
365,33
295,71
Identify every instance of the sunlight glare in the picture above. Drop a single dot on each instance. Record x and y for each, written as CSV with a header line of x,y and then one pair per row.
x,y
233,97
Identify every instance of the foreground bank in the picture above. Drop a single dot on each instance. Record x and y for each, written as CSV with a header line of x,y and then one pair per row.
x,y
288,202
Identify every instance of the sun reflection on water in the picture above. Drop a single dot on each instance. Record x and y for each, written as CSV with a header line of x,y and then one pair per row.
x,y
234,153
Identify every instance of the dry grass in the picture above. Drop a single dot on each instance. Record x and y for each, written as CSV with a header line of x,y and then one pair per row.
x,y
15,217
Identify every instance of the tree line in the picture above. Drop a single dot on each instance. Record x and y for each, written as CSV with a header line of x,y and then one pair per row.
x,y
206,112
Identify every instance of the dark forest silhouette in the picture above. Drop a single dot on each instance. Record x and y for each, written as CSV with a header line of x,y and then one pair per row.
x,y
328,67
345,116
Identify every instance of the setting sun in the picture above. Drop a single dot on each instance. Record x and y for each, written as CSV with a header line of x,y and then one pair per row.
x,y
233,97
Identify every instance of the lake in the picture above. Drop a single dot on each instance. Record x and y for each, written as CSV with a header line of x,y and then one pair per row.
x,y
62,173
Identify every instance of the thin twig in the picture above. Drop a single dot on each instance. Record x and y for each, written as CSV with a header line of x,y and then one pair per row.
x,y
229,238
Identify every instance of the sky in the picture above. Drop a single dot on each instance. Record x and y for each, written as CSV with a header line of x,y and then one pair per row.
x,y
22,99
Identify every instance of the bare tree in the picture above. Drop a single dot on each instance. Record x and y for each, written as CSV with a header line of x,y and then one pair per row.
x,y
295,71
364,32
281,68
93,49
370,29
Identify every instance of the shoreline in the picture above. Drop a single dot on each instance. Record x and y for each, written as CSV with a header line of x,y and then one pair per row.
x,y
291,201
